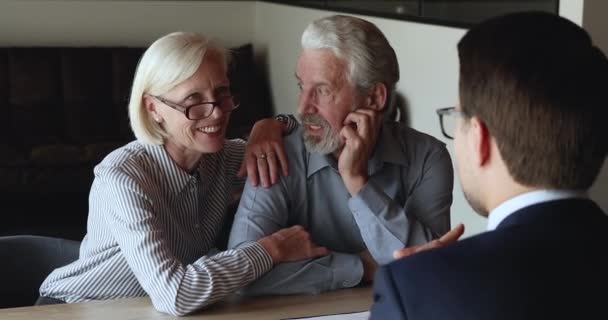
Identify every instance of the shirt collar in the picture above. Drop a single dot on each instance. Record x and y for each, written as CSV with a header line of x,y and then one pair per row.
x,y
387,150
175,177
527,199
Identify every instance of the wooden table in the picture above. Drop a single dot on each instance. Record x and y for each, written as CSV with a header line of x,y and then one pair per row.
x,y
266,308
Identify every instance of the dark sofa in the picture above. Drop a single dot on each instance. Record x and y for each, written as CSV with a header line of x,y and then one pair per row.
x,y
62,111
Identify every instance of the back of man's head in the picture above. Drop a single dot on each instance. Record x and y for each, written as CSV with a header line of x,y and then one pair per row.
x,y
370,57
538,83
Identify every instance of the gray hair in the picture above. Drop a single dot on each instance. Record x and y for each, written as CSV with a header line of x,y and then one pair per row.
x,y
369,56
168,61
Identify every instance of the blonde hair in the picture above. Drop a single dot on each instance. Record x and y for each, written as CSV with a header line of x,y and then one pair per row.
x,y
168,61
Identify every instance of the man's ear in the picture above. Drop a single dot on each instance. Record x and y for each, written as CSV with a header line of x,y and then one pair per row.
x,y
481,141
377,97
151,108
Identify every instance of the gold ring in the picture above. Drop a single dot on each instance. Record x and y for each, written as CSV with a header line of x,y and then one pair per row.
x,y
262,156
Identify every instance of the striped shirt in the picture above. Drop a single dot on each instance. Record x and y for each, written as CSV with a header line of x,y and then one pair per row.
x,y
150,230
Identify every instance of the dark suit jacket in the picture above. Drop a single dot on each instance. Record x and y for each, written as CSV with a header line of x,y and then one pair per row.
x,y
545,261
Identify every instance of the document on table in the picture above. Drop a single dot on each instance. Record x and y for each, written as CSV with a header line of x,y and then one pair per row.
x,y
343,316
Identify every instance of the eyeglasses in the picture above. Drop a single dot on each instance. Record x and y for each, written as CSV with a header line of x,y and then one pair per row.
x,y
447,120
202,110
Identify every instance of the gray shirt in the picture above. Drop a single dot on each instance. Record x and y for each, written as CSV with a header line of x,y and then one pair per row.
x,y
405,202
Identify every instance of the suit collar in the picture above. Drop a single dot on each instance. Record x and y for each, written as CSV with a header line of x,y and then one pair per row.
x,y
550,211
527,199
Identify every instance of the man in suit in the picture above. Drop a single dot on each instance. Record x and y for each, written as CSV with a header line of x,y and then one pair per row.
x,y
529,143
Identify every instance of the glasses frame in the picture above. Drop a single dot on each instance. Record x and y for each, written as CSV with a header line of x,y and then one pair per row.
x,y
449,111
186,110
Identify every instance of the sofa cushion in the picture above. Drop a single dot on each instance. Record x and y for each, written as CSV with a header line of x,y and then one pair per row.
x,y
35,96
5,110
56,154
246,81
11,163
95,152
124,63
87,95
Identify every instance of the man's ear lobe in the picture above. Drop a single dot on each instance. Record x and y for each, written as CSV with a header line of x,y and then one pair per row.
x,y
378,96
482,142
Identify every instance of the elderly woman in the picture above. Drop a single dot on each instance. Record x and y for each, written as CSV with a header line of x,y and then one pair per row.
x,y
158,203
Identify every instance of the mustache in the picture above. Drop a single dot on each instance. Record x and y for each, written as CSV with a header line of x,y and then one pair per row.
x,y
313,119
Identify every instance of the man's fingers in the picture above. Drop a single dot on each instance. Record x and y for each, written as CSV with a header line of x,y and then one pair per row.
x,y
452,235
449,237
367,111
361,121
288,232
319,251
431,245
401,253
349,135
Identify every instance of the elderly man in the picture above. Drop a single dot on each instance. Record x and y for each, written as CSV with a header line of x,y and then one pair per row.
x,y
530,140
361,186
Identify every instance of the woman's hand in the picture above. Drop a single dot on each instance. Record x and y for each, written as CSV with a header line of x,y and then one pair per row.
x,y
291,244
264,154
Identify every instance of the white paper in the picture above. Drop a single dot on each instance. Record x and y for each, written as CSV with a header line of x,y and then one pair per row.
x,y
344,316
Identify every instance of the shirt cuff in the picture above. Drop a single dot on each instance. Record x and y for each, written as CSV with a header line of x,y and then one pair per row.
x,y
369,198
348,271
260,260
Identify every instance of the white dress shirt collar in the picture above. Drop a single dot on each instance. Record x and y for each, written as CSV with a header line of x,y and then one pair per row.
x,y
527,199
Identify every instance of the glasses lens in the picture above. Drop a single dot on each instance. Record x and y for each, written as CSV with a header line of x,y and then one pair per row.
x,y
449,124
200,111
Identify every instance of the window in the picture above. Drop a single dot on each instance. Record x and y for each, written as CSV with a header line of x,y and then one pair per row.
x,y
458,13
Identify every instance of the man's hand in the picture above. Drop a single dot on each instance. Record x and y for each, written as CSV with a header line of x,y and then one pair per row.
x,y
264,155
291,244
369,266
359,133
450,237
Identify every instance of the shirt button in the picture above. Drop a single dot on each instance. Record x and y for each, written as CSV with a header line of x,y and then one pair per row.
x,y
197,225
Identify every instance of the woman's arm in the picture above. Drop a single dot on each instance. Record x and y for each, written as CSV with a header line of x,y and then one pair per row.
x,y
173,287
264,157
178,288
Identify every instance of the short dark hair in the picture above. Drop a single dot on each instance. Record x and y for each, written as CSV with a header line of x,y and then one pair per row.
x,y
541,87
